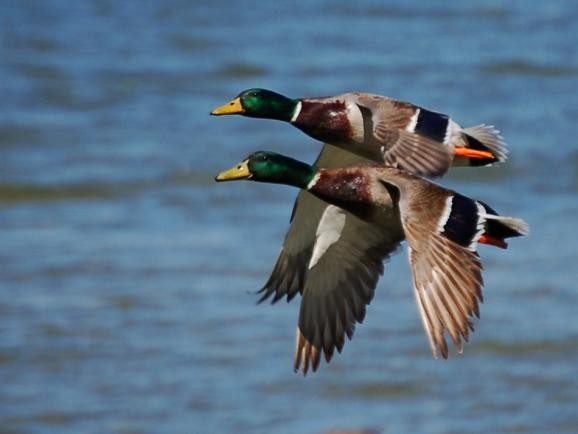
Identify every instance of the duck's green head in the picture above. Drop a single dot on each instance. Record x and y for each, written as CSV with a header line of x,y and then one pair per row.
x,y
263,166
259,103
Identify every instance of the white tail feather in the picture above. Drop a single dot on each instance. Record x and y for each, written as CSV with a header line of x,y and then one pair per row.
x,y
491,138
513,223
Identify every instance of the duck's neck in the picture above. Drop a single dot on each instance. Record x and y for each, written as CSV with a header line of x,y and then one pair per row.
x,y
278,107
290,172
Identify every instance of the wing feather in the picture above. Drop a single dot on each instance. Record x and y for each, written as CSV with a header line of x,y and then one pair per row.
x,y
447,284
339,287
402,147
413,152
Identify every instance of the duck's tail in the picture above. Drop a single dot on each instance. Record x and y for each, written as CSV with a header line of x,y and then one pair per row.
x,y
482,145
497,228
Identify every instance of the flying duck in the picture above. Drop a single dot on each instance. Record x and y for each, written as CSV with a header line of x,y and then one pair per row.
x,y
442,227
402,134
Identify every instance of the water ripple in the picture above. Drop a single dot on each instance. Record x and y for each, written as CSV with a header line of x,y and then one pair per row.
x,y
527,67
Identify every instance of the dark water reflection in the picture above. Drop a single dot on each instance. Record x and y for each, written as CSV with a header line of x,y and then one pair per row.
x,y
126,273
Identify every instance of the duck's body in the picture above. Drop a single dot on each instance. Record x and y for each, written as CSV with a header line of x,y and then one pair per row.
x,y
442,227
398,133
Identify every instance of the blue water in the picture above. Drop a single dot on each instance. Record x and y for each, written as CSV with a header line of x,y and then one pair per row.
x,y
126,272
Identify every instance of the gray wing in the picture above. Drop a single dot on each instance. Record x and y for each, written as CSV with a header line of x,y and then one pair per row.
x,y
393,126
340,285
288,275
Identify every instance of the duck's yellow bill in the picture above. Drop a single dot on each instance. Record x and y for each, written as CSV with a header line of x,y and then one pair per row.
x,y
240,171
233,107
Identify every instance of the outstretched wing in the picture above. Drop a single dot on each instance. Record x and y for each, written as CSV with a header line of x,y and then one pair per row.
x,y
288,275
339,285
447,282
439,226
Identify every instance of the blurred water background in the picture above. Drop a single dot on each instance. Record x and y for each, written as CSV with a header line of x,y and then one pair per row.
x,y
125,271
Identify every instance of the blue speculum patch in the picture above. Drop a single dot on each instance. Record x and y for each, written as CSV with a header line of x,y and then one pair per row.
x,y
432,124
462,223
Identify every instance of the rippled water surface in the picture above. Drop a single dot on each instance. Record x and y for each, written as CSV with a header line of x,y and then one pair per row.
x,y
126,273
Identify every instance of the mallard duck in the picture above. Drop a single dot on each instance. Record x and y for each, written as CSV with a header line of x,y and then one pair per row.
x,y
398,133
442,228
